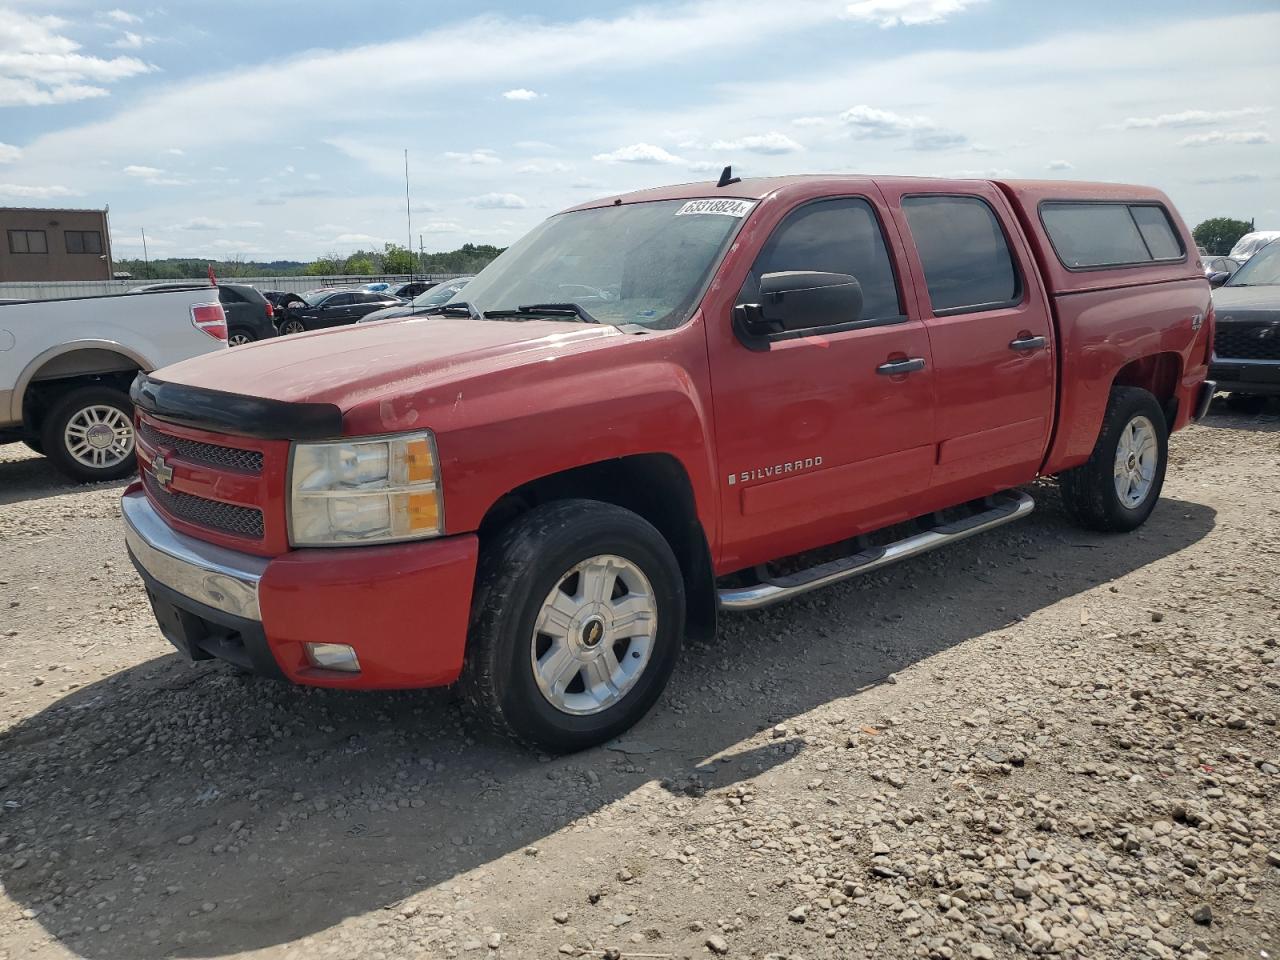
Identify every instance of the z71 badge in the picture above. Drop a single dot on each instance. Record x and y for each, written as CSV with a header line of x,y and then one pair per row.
x,y
777,470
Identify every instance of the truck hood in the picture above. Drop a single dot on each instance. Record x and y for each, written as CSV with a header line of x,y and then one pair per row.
x,y
347,365
1239,304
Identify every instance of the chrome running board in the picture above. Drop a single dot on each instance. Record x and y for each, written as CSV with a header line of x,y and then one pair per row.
x,y
1002,508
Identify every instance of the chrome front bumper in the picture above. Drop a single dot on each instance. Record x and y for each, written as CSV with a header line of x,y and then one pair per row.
x,y
223,579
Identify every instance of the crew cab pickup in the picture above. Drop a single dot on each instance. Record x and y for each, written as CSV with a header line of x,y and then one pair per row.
x,y
66,366
657,407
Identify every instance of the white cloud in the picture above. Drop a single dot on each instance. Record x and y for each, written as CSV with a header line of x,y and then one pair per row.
x,y
438,226
535,145
130,41
1248,137
1192,118
1231,178
9,153
122,16
26,192
358,239
705,166
544,166
906,13
208,223
638,153
870,123
810,121
767,143
179,152
474,157
520,93
134,170
498,201
39,64
1060,165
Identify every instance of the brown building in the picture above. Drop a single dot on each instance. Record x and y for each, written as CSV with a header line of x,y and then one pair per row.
x,y
54,245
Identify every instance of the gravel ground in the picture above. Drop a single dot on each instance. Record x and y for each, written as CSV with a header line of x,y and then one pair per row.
x,y
1040,741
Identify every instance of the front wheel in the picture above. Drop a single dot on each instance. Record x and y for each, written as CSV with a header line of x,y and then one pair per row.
x,y
292,326
88,434
1118,486
576,625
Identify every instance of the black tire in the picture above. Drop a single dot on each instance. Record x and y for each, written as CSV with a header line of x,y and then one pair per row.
x,y
1250,404
35,445
291,326
53,434
1089,490
239,336
517,572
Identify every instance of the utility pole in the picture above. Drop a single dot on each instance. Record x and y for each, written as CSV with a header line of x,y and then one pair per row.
x,y
422,257
408,217
146,264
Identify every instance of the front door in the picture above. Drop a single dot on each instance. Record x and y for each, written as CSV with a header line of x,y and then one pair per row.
x,y
991,335
829,433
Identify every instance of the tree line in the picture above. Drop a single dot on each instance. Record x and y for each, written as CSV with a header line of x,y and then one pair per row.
x,y
392,259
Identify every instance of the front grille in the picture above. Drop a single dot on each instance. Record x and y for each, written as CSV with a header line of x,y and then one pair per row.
x,y
212,454
1244,341
227,517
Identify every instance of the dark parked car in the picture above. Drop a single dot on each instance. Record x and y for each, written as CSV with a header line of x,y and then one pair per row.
x,y
328,307
438,295
283,302
414,288
1246,347
250,315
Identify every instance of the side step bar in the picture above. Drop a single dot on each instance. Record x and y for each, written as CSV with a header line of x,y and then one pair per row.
x,y
1006,507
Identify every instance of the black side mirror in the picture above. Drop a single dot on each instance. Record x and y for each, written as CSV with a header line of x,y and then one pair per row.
x,y
1218,279
800,300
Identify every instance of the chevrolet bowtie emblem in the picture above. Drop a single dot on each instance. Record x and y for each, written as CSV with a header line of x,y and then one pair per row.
x,y
161,471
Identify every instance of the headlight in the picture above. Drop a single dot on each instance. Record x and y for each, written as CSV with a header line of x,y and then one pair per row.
x,y
365,491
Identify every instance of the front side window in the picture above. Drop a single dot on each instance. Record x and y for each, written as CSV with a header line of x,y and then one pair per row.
x,y
83,241
1094,234
964,253
635,263
832,236
27,241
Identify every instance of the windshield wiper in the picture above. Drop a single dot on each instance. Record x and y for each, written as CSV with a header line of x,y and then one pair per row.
x,y
457,306
544,310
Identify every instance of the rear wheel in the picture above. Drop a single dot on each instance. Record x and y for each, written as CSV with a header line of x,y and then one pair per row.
x,y
239,336
576,625
1118,486
88,434
292,326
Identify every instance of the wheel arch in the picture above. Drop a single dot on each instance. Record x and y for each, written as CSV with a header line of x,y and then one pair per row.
x,y
75,359
655,486
1157,373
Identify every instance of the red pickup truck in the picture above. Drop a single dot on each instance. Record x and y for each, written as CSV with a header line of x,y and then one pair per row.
x,y
657,407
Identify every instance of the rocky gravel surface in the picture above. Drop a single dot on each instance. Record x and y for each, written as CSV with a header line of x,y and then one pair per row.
x,y
1039,742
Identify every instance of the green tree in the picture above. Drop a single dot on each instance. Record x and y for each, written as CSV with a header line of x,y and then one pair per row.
x,y
396,259
1219,234
359,264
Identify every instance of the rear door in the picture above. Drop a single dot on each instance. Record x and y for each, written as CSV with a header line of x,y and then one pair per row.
x,y
990,333
828,433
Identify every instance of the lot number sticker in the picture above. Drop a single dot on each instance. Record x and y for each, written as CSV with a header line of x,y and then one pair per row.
x,y
725,208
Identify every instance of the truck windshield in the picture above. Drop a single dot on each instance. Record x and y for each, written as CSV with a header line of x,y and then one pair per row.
x,y
1262,270
637,263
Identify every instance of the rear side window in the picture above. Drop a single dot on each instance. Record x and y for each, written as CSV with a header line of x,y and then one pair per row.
x,y
1086,235
227,295
966,258
832,236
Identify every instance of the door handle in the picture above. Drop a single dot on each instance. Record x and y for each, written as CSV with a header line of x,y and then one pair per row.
x,y
1028,343
896,367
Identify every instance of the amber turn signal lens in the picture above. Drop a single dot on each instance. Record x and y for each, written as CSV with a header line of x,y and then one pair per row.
x,y
424,511
420,466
